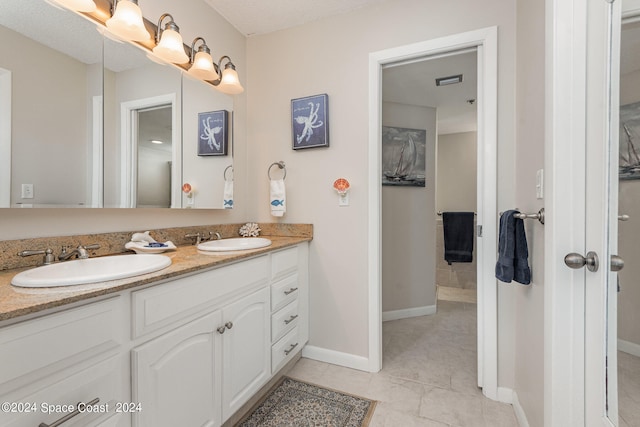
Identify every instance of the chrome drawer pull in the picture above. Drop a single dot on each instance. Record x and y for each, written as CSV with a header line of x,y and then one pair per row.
x,y
286,352
71,415
291,290
291,319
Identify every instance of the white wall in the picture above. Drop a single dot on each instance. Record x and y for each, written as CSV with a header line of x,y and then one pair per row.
x,y
528,301
195,19
408,222
331,56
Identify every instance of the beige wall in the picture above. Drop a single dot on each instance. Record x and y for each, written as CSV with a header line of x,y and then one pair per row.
x,y
457,172
331,56
408,222
49,123
528,301
195,19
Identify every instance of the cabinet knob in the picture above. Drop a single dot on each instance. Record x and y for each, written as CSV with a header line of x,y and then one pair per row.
x,y
291,290
221,330
228,325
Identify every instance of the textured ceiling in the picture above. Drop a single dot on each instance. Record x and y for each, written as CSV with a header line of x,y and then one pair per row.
x,y
252,17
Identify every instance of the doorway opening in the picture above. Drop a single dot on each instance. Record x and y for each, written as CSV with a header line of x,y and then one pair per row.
x,y
485,43
150,172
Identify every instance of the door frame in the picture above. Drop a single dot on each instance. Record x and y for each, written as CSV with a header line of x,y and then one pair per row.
x,y
5,138
486,42
129,147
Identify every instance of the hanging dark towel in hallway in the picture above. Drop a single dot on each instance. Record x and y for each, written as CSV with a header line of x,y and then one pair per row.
x,y
458,236
513,254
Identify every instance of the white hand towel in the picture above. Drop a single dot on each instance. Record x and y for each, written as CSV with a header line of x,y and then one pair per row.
x,y
277,197
227,201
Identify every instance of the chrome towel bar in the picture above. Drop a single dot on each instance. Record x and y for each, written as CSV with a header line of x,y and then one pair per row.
x,y
539,215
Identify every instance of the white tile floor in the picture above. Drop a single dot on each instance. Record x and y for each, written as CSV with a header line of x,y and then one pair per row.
x,y
428,376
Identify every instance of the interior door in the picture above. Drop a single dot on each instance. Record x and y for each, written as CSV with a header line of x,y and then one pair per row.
x,y
601,212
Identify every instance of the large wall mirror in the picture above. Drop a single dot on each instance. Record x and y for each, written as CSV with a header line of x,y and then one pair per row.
x,y
88,121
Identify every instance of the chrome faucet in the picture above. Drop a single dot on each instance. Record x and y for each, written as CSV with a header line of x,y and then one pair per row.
x,y
80,251
198,237
203,237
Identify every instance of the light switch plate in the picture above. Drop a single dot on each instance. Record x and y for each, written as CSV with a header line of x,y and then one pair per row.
x,y
540,184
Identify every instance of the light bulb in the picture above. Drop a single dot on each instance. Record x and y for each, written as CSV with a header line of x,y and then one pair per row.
x,y
171,48
127,22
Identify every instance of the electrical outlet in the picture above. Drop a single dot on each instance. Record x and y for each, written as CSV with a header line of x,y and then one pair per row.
x,y
27,191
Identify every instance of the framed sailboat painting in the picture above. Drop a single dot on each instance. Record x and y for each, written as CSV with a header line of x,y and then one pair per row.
x,y
403,156
630,141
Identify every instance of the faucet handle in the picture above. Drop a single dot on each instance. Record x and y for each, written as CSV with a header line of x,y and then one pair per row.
x,y
197,236
93,246
48,258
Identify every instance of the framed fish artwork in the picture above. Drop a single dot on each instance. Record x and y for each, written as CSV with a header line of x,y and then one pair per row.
x,y
310,121
212,133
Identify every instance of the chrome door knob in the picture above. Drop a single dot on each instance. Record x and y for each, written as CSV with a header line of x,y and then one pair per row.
x,y
623,217
575,261
617,263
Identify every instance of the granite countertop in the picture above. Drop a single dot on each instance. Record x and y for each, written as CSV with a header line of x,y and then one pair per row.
x,y
16,302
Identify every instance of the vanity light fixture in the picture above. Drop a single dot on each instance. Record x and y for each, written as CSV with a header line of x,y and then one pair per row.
x,y
126,21
202,66
79,5
169,44
229,82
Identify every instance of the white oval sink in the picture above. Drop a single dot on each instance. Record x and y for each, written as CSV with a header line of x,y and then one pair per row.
x,y
91,270
234,244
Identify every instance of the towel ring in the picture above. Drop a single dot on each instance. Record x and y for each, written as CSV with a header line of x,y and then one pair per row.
x,y
225,172
280,164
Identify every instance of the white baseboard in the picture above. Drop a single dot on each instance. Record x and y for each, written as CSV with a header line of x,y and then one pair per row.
x,y
629,347
505,395
408,312
517,408
336,358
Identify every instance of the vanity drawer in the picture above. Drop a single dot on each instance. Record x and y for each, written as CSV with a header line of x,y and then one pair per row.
x,y
284,320
284,291
162,305
284,350
284,262
103,380
43,346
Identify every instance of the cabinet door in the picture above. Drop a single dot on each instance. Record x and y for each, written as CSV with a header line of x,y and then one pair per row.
x,y
247,358
176,377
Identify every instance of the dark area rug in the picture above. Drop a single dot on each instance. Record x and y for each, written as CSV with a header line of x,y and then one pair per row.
x,y
293,403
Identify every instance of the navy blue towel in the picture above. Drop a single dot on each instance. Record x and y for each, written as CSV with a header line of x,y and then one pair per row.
x,y
458,236
513,254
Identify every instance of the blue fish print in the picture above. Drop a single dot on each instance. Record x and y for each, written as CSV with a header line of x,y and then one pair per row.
x,y
278,203
228,203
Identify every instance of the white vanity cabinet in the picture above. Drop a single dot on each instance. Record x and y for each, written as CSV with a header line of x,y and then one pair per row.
x,y
176,377
51,362
189,351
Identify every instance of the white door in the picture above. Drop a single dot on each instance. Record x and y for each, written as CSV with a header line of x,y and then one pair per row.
x,y
582,96
176,377
246,348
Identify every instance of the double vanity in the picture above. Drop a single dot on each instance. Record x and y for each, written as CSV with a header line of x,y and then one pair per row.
x,y
187,345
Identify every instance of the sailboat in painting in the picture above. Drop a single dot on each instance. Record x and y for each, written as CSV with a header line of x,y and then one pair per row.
x,y
629,162
403,156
